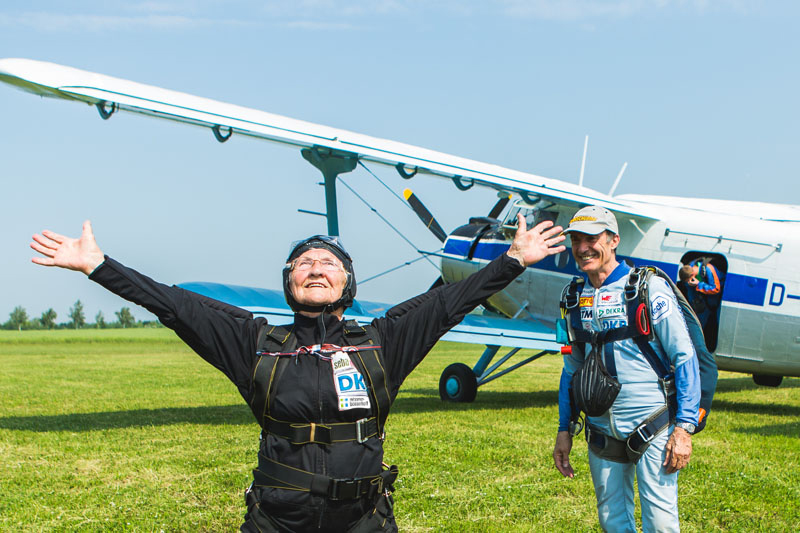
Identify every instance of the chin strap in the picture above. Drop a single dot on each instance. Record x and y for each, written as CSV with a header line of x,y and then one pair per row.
x,y
321,327
328,308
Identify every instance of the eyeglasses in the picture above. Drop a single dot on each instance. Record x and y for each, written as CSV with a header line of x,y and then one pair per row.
x,y
328,265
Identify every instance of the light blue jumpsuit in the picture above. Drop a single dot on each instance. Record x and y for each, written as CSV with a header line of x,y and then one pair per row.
x,y
640,396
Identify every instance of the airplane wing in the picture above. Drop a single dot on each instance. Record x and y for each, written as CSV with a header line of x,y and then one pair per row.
x,y
110,94
474,329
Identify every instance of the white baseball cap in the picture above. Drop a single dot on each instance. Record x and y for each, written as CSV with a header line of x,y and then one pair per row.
x,y
593,220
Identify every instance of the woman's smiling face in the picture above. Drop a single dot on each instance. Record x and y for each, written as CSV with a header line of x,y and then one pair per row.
x,y
322,283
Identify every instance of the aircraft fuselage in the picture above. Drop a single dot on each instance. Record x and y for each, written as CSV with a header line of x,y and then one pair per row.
x,y
759,317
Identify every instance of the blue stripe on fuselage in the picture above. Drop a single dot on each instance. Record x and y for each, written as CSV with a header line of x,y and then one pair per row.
x,y
738,288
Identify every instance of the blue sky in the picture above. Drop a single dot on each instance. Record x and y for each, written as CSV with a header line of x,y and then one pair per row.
x,y
699,97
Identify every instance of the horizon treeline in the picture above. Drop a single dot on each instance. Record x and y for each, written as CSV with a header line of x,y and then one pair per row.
x,y
18,319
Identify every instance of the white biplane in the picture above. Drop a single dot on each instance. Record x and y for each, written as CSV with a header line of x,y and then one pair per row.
x,y
755,246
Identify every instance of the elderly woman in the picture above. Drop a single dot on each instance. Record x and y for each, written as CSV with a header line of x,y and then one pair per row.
x,y
320,462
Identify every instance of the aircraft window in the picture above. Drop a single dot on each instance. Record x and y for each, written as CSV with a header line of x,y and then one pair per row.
x,y
534,214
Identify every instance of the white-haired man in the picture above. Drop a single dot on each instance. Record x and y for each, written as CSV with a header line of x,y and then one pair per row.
x,y
639,435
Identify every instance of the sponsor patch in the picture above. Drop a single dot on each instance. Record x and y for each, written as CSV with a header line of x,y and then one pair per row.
x,y
611,310
349,383
610,298
613,323
660,308
586,314
586,301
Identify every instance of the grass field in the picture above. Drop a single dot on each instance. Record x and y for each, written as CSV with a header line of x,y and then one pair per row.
x,y
128,430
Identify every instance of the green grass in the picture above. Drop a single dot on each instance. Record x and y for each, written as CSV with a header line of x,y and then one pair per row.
x,y
128,430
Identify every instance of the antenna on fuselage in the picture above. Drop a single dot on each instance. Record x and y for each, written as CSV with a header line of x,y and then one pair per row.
x,y
583,161
619,177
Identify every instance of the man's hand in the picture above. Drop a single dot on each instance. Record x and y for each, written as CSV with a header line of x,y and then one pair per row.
x,y
531,246
561,453
80,254
678,450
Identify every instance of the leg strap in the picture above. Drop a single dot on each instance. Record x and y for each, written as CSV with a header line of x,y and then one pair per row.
x,y
643,435
631,449
604,446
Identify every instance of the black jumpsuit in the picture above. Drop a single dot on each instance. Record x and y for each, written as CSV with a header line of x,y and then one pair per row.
x,y
306,391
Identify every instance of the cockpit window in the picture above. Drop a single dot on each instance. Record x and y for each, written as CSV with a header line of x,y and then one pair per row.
x,y
533,213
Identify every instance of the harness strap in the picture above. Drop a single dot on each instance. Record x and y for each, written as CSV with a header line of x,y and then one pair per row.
x,y
319,349
298,433
640,315
269,472
648,430
637,329
571,297
265,371
608,357
604,336
275,347
652,357
605,446
373,367
631,449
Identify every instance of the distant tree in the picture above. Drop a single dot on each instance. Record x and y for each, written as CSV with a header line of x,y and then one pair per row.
x,y
78,319
100,320
125,317
49,319
18,318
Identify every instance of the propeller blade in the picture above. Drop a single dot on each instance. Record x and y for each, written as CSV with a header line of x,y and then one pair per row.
x,y
424,215
499,206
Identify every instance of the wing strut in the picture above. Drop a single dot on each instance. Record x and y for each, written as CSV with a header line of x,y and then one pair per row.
x,y
331,163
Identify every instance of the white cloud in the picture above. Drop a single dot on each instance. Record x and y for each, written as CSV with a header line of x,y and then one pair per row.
x,y
320,9
341,15
546,9
589,9
53,22
317,25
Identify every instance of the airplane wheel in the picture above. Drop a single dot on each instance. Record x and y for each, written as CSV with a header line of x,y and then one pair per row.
x,y
458,384
766,380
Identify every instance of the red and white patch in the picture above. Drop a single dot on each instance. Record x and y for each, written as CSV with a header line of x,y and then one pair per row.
x,y
610,298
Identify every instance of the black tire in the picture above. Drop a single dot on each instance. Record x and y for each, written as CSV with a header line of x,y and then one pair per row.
x,y
767,380
463,384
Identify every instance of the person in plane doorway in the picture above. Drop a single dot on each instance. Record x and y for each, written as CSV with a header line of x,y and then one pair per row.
x,y
321,387
702,285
